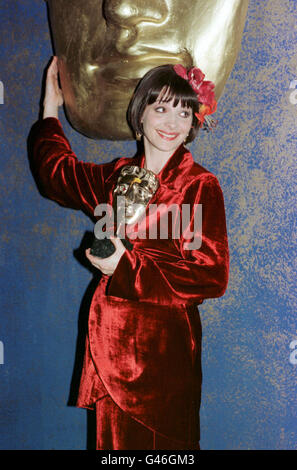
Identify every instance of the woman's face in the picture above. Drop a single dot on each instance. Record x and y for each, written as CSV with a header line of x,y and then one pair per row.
x,y
165,126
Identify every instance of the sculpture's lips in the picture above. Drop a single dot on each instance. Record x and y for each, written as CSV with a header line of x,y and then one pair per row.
x,y
133,67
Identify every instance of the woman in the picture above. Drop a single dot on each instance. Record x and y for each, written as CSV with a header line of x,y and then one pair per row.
x,y
142,366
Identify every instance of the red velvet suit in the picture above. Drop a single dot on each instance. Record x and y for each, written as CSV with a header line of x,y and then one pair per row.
x,y
142,368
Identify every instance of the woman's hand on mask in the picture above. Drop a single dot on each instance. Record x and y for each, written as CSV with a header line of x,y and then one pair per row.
x,y
53,94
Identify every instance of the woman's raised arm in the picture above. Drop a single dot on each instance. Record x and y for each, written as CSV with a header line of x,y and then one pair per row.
x,y
59,174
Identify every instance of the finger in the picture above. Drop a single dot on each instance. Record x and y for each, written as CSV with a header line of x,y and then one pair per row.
x,y
99,263
117,242
94,260
89,256
53,68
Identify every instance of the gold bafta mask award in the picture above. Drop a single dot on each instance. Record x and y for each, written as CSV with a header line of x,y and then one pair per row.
x,y
134,189
104,47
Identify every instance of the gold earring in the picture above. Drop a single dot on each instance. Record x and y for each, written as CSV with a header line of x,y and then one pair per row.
x,y
138,136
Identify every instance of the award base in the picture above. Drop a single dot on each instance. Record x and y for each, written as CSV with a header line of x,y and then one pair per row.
x,y
103,248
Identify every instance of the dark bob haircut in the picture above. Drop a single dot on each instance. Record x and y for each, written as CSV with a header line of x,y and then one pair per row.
x,y
165,79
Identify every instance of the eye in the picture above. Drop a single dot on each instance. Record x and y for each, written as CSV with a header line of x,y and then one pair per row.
x,y
185,114
160,109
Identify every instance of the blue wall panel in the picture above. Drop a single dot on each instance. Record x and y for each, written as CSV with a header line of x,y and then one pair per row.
x,y
249,364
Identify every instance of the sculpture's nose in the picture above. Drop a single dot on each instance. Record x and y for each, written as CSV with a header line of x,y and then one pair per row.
x,y
131,192
131,12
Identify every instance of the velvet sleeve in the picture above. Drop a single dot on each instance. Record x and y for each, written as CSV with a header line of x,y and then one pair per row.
x,y
60,176
157,276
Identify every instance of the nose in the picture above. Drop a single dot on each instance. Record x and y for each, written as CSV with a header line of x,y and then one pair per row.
x,y
132,12
171,121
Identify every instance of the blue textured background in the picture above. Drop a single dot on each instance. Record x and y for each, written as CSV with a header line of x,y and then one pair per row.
x,y
249,382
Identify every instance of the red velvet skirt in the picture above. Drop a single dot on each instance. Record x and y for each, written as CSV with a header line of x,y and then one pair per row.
x,y
142,374
116,430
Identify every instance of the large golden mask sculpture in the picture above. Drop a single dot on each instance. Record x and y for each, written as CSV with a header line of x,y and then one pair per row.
x,y
105,46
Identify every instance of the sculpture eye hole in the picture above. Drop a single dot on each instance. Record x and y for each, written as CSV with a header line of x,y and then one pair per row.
x,y
143,192
140,192
123,188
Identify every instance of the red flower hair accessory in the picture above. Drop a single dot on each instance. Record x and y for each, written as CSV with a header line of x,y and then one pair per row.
x,y
204,90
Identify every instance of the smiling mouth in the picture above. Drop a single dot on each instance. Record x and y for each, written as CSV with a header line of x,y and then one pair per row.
x,y
169,136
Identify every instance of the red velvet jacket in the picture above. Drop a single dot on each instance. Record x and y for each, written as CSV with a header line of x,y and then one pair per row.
x,y
144,339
